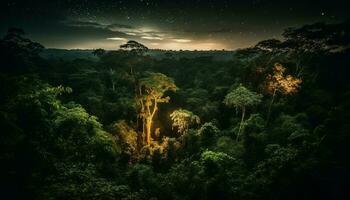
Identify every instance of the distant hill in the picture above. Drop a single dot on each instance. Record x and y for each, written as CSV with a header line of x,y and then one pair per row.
x,y
65,54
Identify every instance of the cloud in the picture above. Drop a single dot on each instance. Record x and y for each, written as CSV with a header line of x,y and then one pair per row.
x,y
151,38
82,24
117,39
130,33
116,26
182,40
111,27
122,29
90,33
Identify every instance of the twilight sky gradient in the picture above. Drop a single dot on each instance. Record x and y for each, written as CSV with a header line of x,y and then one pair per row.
x,y
165,24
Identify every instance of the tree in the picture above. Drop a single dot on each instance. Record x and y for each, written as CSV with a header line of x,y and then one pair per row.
x,y
17,53
134,47
208,134
269,45
182,119
113,76
277,82
17,43
99,52
240,98
40,132
319,37
127,138
151,92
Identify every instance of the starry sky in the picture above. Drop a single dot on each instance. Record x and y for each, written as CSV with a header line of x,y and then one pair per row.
x,y
163,24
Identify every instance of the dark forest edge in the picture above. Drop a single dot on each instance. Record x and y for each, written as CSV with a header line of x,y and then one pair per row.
x,y
71,54
272,122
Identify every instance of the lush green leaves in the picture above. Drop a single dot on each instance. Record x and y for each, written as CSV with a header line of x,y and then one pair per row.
x,y
182,119
241,97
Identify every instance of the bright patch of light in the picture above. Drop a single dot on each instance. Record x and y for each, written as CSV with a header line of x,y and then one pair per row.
x,y
182,40
129,33
117,39
152,38
191,46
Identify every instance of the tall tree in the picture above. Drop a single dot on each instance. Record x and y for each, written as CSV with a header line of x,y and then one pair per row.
x,y
278,82
134,47
240,98
151,92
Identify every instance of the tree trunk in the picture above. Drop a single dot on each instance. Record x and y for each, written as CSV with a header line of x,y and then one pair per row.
x,y
112,74
149,119
148,131
131,71
113,85
241,124
270,106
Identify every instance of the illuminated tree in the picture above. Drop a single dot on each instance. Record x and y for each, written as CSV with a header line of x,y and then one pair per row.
x,y
151,92
127,139
182,119
277,82
240,98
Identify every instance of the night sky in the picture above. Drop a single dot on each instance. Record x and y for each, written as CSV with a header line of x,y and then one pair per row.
x,y
166,24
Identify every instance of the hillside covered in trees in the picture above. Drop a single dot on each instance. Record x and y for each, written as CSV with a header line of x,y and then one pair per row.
x,y
270,122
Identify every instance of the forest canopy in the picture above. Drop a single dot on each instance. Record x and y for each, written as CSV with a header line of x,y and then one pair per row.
x,y
272,122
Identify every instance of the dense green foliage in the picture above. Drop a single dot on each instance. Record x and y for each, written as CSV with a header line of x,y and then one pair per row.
x,y
74,129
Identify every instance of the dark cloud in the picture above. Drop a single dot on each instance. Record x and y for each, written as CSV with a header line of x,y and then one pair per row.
x,y
116,26
83,24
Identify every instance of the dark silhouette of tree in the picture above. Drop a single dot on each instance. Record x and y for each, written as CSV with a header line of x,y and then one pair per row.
x,y
99,52
319,37
134,47
269,45
17,52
